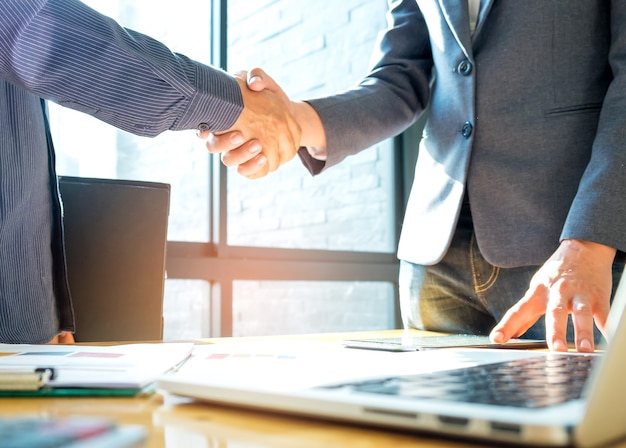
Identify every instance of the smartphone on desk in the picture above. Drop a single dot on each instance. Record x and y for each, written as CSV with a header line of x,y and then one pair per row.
x,y
415,343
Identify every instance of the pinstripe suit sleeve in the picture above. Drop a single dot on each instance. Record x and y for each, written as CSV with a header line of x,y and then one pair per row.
x,y
63,51
66,52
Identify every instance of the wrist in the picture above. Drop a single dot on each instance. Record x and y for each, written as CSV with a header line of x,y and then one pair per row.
x,y
313,135
603,251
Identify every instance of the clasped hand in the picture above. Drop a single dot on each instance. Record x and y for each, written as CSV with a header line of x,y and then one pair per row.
x,y
264,137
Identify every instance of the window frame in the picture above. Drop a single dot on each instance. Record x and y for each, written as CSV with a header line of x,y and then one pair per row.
x,y
221,264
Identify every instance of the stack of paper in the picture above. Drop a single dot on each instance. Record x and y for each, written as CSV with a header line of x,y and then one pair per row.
x,y
90,370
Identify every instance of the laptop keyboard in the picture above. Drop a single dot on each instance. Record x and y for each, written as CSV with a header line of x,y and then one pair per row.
x,y
530,382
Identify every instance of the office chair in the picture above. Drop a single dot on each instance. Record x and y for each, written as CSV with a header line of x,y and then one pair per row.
x,y
115,241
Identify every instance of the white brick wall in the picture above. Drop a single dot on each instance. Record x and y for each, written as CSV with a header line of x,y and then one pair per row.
x,y
312,48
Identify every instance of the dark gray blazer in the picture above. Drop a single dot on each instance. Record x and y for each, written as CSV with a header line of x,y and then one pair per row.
x,y
528,116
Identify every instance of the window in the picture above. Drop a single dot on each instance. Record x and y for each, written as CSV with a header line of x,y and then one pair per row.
x,y
284,254
89,148
310,307
306,50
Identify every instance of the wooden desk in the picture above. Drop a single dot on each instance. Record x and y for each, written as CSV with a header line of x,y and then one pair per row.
x,y
175,422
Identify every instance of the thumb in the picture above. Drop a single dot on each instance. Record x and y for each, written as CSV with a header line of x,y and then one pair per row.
x,y
259,80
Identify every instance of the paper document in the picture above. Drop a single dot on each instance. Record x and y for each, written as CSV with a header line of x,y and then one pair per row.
x,y
128,366
294,365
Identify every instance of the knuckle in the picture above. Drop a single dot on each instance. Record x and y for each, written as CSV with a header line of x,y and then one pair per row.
x,y
582,308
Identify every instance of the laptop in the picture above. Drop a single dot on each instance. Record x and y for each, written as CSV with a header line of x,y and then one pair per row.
x,y
497,395
115,234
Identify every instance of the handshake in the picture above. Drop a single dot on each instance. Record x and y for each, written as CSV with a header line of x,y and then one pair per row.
x,y
269,131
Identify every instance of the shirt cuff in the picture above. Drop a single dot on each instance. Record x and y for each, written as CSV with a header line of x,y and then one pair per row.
x,y
315,166
216,103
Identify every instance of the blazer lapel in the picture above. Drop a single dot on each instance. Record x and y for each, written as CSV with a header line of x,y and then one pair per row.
x,y
456,15
485,6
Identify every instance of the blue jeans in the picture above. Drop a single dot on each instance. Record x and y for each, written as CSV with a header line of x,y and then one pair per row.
x,y
464,293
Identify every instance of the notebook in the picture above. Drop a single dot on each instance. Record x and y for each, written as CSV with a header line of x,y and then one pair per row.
x,y
115,241
410,343
575,399
32,370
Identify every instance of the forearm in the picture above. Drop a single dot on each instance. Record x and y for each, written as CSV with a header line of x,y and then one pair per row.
x,y
596,211
92,64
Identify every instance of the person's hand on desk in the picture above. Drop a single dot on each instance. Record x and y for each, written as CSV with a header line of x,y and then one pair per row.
x,y
575,280
64,338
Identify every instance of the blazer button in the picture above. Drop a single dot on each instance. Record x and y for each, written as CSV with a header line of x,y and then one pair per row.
x,y
464,67
466,130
